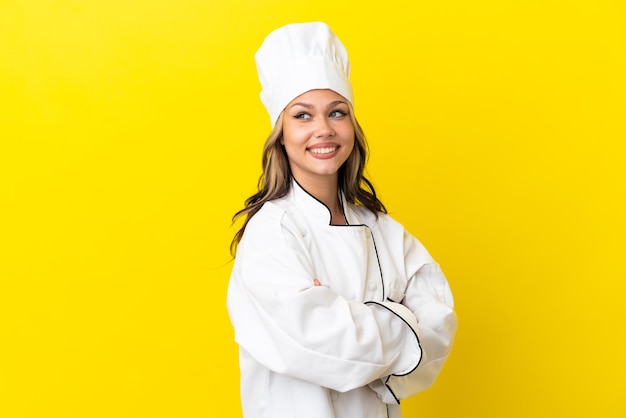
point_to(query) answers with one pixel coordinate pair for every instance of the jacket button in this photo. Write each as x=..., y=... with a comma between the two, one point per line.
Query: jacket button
x=372, y=286
x=334, y=395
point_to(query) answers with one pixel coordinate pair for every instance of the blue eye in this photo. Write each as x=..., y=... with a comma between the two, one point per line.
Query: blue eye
x=337, y=113
x=302, y=115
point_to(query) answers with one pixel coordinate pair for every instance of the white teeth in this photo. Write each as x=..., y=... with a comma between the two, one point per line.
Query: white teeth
x=327, y=150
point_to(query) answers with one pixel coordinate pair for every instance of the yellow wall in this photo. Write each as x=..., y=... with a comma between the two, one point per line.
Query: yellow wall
x=131, y=130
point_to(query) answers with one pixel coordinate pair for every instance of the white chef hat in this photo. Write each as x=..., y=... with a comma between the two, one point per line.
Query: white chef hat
x=297, y=58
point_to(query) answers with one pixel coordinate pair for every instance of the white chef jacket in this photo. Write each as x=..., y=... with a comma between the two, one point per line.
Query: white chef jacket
x=376, y=331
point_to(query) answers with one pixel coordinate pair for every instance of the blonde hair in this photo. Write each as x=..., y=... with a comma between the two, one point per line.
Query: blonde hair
x=276, y=178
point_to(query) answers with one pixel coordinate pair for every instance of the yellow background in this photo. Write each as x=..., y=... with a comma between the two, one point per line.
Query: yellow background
x=131, y=131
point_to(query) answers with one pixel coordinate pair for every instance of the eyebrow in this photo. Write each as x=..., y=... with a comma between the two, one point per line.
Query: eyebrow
x=309, y=106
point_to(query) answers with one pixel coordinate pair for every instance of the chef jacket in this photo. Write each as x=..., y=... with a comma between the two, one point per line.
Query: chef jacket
x=377, y=330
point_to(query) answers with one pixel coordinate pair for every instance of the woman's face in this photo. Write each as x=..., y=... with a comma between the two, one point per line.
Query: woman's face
x=318, y=135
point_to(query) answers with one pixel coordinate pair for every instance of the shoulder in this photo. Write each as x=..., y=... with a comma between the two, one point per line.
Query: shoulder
x=388, y=222
x=380, y=221
x=269, y=224
x=266, y=220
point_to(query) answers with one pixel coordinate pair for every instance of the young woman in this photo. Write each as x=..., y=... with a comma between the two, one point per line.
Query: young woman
x=338, y=311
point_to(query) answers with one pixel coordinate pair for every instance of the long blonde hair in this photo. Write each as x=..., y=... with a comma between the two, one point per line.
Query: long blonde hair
x=276, y=178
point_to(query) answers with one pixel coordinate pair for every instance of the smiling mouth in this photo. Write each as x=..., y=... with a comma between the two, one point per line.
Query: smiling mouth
x=322, y=151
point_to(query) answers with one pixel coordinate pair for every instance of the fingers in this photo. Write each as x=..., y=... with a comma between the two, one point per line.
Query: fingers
x=316, y=282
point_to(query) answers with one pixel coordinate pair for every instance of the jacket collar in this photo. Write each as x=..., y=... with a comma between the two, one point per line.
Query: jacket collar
x=312, y=207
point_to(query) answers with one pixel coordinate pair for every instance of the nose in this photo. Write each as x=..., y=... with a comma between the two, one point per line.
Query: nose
x=323, y=128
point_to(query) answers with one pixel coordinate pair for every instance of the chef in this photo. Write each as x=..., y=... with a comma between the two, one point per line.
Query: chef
x=338, y=311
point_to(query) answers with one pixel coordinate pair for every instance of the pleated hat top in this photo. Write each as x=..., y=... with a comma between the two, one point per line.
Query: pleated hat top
x=297, y=58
